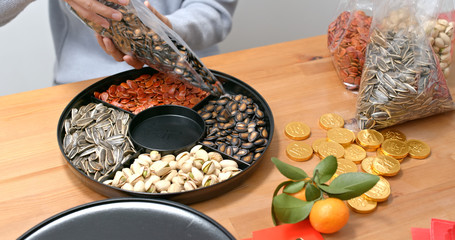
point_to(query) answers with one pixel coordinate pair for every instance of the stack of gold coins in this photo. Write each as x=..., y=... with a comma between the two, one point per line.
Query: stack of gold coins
x=391, y=147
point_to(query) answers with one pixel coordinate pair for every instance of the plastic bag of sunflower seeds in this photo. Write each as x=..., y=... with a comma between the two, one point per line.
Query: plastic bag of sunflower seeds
x=347, y=38
x=402, y=78
x=141, y=34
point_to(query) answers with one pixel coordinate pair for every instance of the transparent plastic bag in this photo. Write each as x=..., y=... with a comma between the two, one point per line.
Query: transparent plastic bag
x=141, y=34
x=347, y=38
x=402, y=79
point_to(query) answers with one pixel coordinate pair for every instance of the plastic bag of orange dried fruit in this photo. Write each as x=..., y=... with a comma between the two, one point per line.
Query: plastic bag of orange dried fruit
x=347, y=39
x=143, y=35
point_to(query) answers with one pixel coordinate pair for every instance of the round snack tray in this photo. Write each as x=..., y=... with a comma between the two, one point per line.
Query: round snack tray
x=231, y=85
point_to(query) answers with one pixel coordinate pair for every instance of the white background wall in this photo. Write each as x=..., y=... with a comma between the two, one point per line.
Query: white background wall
x=27, y=54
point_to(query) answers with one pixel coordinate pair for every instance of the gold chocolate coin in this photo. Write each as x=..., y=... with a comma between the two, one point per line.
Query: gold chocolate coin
x=362, y=205
x=331, y=120
x=393, y=134
x=380, y=153
x=355, y=153
x=369, y=139
x=316, y=144
x=386, y=165
x=418, y=149
x=345, y=166
x=297, y=130
x=380, y=192
x=330, y=148
x=299, y=151
x=342, y=136
x=367, y=165
x=395, y=148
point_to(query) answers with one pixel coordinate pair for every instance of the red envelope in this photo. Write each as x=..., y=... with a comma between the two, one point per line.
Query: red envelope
x=302, y=229
x=420, y=233
x=442, y=229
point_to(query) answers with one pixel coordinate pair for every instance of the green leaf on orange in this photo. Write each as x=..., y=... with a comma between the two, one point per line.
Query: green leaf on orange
x=289, y=209
x=294, y=187
x=289, y=171
x=312, y=192
x=352, y=184
x=325, y=169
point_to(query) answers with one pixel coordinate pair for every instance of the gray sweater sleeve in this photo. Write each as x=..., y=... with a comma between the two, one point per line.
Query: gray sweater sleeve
x=9, y=9
x=202, y=23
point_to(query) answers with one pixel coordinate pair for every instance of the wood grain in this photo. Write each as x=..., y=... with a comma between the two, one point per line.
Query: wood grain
x=299, y=83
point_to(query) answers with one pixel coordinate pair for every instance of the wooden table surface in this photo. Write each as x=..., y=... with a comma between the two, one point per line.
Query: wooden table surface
x=299, y=82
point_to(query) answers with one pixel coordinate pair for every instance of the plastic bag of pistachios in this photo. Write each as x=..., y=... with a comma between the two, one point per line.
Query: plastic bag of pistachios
x=141, y=34
x=402, y=78
x=347, y=37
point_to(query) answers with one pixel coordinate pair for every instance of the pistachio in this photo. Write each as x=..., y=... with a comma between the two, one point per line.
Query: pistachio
x=198, y=163
x=223, y=176
x=201, y=154
x=230, y=169
x=208, y=167
x=170, y=175
x=152, y=189
x=181, y=155
x=162, y=185
x=146, y=172
x=175, y=188
x=195, y=149
x=108, y=182
x=189, y=185
x=173, y=165
x=168, y=158
x=127, y=172
x=186, y=167
x=139, y=186
x=149, y=182
x=229, y=163
x=137, y=168
x=127, y=186
x=119, y=179
x=209, y=180
x=144, y=159
x=196, y=175
x=179, y=179
x=155, y=155
x=133, y=179
x=215, y=156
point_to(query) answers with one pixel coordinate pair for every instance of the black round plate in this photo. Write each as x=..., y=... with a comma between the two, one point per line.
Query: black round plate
x=129, y=218
x=230, y=84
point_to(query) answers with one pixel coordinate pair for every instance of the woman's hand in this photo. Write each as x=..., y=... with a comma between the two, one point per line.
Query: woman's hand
x=110, y=48
x=94, y=11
